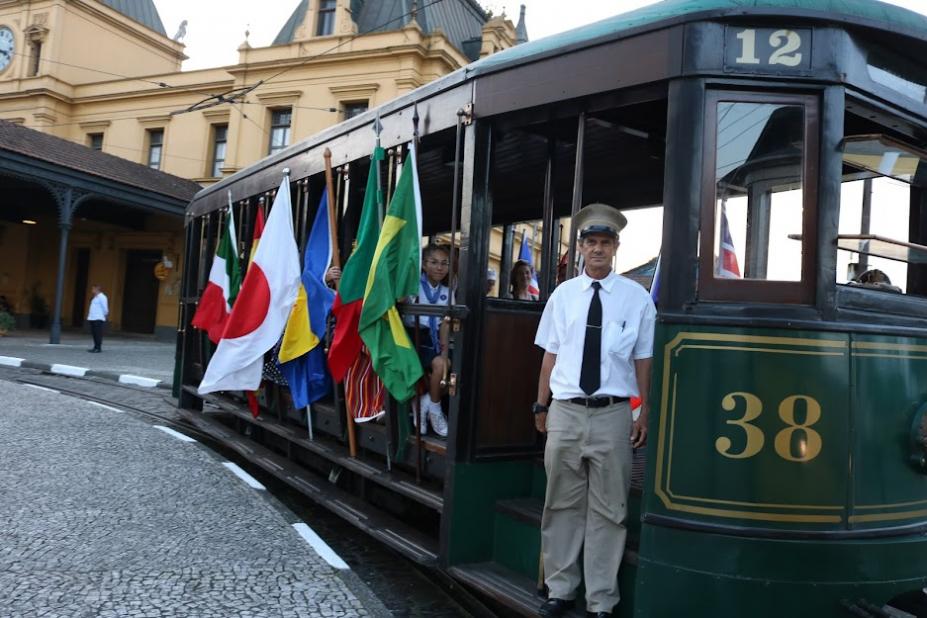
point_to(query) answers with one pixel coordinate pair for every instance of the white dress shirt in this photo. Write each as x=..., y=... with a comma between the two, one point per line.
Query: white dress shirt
x=628, y=318
x=99, y=307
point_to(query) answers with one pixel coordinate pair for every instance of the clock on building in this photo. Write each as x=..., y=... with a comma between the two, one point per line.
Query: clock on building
x=7, y=45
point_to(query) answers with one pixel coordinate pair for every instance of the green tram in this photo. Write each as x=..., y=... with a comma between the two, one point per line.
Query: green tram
x=774, y=150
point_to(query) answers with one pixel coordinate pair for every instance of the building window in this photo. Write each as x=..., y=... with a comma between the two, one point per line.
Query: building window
x=35, y=59
x=326, y=23
x=95, y=141
x=219, y=140
x=280, y=120
x=354, y=109
x=155, y=148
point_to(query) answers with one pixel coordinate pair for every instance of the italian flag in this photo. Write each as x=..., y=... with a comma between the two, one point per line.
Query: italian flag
x=395, y=273
x=264, y=303
x=346, y=342
x=224, y=282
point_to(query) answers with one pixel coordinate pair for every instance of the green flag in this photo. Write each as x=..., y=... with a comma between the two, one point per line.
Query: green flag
x=346, y=343
x=394, y=275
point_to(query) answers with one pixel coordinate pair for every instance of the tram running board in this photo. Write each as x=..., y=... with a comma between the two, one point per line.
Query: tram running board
x=505, y=586
x=387, y=529
x=334, y=452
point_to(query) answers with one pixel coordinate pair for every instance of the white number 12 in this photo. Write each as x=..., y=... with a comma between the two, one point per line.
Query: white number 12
x=785, y=43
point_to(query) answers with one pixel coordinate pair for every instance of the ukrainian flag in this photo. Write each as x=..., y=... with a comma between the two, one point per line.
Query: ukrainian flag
x=301, y=357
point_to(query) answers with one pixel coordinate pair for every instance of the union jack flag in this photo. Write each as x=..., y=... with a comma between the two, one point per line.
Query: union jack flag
x=727, y=264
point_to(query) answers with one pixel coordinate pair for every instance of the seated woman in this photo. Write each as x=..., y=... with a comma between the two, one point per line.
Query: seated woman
x=520, y=279
x=432, y=335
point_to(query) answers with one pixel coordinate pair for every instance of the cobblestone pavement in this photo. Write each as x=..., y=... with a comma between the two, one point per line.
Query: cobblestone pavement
x=138, y=356
x=103, y=515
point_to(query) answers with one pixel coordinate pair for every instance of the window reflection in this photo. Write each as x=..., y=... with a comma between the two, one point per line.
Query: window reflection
x=758, y=178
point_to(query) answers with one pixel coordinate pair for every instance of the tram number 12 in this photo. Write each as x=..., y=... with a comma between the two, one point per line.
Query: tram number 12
x=809, y=441
x=767, y=47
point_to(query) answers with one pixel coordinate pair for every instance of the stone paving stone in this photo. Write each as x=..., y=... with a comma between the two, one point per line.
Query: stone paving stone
x=102, y=515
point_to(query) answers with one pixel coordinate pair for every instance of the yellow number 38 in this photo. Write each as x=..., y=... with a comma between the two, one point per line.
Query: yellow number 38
x=809, y=443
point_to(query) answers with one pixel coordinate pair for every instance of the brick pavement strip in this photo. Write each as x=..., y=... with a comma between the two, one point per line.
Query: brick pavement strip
x=102, y=515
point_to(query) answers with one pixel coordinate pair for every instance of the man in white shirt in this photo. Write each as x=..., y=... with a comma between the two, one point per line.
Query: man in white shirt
x=96, y=316
x=597, y=336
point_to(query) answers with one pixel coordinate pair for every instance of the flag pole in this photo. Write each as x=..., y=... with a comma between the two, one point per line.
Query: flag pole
x=336, y=262
x=332, y=220
x=381, y=213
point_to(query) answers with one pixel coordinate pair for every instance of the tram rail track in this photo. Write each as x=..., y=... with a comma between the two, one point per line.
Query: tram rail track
x=176, y=422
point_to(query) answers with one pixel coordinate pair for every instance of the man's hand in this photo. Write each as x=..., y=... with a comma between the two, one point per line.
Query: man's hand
x=540, y=422
x=639, y=431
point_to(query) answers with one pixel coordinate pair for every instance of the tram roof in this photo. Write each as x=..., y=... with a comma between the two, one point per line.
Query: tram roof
x=866, y=13
x=870, y=14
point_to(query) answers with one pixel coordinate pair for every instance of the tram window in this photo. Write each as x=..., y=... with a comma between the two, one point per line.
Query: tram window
x=760, y=211
x=880, y=243
x=759, y=179
x=887, y=208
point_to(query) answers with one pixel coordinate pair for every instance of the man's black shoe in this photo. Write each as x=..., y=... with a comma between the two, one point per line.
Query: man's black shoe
x=94, y=350
x=554, y=608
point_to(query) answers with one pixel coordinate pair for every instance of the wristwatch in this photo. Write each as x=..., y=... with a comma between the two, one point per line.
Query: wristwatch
x=538, y=408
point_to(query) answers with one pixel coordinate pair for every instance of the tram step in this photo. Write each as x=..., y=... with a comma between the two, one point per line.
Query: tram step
x=527, y=510
x=337, y=453
x=505, y=586
x=383, y=527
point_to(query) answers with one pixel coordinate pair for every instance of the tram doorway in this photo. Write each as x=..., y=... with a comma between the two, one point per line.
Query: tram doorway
x=140, y=292
x=81, y=283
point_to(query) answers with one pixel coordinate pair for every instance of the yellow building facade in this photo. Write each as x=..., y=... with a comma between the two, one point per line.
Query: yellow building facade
x=104, y=74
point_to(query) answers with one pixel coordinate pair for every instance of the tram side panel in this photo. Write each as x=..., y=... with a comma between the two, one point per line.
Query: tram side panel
x=756, y=447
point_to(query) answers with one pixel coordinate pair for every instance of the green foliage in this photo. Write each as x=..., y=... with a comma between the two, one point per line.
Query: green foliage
x=7, y=321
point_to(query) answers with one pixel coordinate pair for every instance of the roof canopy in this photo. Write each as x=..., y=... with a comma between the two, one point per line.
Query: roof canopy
x=36, y=155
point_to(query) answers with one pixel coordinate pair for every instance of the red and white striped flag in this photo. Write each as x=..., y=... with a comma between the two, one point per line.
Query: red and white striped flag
x=727, y=264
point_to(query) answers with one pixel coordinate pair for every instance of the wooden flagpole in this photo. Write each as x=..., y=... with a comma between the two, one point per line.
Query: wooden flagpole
x=336, y=262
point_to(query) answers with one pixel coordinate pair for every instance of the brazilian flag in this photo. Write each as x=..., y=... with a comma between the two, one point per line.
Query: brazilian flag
x=394, y=275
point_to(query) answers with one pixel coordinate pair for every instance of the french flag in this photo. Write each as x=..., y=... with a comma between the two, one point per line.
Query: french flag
x=525, y=255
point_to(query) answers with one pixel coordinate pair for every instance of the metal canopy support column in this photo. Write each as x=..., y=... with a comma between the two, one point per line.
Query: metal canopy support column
x=66, y=198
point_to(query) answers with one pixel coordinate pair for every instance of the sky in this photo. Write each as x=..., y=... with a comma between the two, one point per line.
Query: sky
x=216, y=28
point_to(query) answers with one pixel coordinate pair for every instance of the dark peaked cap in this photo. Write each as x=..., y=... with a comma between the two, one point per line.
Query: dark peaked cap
x=599, y=219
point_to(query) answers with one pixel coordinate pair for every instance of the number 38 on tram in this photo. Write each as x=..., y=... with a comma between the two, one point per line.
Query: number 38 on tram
x=771, y=153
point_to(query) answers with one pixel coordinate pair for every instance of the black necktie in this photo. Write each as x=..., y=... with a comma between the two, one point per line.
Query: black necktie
x=590, y=374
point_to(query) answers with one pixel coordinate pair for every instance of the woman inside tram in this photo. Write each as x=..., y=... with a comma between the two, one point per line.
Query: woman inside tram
x=520, y=279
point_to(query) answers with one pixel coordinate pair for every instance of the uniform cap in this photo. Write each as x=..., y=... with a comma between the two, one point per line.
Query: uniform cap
x=599, y=219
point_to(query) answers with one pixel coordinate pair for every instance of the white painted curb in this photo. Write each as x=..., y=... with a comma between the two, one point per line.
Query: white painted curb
x=321, y=547
x=128, y=378
x=252, y=482
x=11, y=361
x=69, y=370
x=173, y=433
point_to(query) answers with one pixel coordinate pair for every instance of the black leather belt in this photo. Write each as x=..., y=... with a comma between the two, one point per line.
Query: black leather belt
x=597, y=402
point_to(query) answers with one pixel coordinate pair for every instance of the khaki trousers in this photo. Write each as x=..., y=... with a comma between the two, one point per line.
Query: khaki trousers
x=588, y=463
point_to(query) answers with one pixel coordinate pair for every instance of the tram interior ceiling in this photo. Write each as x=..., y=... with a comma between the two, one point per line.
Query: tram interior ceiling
x=622, y=161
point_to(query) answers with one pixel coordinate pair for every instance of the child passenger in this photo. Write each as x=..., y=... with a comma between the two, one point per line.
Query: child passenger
x=432, y=335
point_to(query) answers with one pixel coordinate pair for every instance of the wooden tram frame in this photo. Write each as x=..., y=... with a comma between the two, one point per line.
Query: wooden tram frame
x=554, y=86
